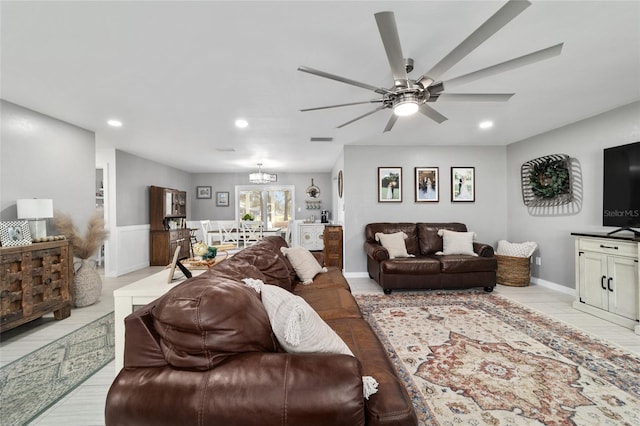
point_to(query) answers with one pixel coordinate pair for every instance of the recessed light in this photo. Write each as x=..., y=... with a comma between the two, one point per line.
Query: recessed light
x=486, y=124
x=114, y=123
x=241, y=123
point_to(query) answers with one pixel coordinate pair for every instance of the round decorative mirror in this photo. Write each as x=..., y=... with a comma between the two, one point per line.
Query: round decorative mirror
x=313, y=191
x=340, y=184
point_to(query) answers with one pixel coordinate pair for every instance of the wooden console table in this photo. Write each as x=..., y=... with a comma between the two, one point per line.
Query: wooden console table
x=34, y=280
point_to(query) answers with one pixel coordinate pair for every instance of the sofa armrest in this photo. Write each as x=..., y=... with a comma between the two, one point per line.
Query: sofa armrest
x=376, y=251
x=484, y=250
x=248, y=389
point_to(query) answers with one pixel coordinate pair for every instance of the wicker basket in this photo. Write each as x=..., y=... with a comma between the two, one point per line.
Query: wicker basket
x=513, y=271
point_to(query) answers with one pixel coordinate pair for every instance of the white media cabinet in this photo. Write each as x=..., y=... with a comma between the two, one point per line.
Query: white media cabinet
x=607, y=278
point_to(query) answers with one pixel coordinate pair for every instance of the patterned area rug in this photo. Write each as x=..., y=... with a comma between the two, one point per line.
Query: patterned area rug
x=473, y=358
x=33, y=383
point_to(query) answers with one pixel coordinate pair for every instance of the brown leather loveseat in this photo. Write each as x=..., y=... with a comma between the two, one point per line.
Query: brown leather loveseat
x=205, y=354
x=425, y=269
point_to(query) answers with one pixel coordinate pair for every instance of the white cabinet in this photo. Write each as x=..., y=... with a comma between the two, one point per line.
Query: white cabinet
x=308, y=235
x=607, y=279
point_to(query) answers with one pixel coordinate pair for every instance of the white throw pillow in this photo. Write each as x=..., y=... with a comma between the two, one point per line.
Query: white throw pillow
x=299, y=329
x=457, y=242
x=526, y=249
x=394, y=243
x=304, y=263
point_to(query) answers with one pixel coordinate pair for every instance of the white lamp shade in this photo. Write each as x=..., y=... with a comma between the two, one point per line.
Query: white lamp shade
x=35, y=208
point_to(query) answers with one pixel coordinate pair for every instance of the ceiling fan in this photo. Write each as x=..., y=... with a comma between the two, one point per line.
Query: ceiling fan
x=408, y=96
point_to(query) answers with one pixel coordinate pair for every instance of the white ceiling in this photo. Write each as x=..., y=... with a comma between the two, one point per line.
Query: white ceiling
x=179, y=73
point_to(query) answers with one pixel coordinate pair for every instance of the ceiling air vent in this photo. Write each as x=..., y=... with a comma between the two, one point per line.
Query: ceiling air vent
x=321, y=139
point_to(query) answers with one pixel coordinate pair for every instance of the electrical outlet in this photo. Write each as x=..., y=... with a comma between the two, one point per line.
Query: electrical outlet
x=538, y=261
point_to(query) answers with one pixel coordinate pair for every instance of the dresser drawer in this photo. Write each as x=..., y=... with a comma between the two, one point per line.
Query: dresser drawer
x=620, y=248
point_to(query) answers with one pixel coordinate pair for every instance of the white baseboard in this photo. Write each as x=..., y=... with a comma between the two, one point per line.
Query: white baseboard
x=356, y=274
x=554, y=286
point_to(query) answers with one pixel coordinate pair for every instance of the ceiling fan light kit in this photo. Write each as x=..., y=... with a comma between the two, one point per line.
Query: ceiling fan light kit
x=408, y=96
x=406, y=105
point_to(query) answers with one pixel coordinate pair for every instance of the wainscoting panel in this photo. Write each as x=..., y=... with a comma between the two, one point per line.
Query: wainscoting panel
x=132, y=249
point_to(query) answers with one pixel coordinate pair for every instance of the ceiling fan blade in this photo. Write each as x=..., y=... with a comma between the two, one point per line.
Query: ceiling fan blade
x=319, y=73
x=390, y=123
x=491, y=26
x=476, y=97
x=509, y=65
x=362, y=116
x=342, y=105
x=432, y=113
x=389, y=34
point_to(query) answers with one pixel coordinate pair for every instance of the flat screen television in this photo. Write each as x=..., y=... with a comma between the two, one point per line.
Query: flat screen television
x=621, y=190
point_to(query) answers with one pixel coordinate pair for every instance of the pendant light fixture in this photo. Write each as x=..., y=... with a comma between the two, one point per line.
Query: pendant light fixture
x=261, y=177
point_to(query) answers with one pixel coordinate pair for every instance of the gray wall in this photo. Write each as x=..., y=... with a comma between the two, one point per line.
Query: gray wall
x=487, y=216
x=134, y=175
x=202, y=209
x=42, y=157
x=585, y=142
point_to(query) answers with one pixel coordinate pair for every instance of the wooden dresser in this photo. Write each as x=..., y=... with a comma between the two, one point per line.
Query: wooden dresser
x=35, y=280
x=333, y=245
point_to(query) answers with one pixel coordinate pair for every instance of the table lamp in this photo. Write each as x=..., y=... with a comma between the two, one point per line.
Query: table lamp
x=36, y=211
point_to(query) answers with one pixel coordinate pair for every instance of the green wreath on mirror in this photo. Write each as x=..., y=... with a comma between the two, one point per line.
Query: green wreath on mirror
x=549, y=178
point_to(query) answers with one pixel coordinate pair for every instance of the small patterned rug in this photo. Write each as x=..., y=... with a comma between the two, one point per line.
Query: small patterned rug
x=473, y=358
x=33, y=383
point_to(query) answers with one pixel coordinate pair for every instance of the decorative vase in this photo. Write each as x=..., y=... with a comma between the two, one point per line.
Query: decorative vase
x=87, y=285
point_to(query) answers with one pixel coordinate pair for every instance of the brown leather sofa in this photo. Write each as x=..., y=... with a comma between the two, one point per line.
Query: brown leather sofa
x=205, y=354
x=427, y=270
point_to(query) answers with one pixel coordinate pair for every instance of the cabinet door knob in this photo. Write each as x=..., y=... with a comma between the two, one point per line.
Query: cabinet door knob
x=609, y=284
x=602, y=282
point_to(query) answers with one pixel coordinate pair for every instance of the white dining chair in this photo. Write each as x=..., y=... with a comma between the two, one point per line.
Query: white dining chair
x=252, y=232
x=228, y=231
x=206, y=229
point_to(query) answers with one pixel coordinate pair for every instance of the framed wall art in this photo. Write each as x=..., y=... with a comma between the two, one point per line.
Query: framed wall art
x=203, y=192
x=15, y=233
x=463, y=184
x=389, y=184
x=222, y=199
x=426, y=184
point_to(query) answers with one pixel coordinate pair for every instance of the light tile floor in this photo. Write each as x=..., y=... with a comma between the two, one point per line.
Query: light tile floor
x=85, y=405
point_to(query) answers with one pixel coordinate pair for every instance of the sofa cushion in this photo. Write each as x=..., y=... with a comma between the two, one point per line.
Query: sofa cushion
x=457, y=242
x=237, y=270
x=390, y=406
x=276, y=242
x=305, y=264
x=453, y=264
x=333, y=278
x=208, y=318
x=428, y=239
x=268, y=262
x=330, y=303
x=394, y=243
x=410, y=266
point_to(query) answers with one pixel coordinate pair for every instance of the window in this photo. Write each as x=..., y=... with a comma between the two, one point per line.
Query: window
x=273, y=205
